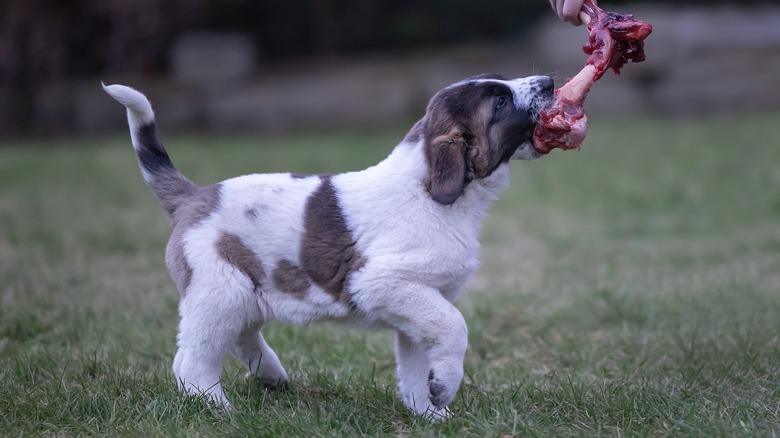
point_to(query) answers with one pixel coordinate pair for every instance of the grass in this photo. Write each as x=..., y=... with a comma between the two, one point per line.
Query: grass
x=632, y=288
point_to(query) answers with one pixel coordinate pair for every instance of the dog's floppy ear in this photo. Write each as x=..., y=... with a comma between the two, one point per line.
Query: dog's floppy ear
x=447, y=167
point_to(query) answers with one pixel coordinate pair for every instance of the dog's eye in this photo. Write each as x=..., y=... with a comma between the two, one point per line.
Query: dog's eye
x=501, y=101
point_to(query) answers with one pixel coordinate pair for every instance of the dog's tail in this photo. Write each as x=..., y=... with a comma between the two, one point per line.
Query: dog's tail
x=170, y=186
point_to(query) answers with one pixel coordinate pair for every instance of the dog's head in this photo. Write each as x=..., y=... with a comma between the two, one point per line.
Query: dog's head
x=474, y=126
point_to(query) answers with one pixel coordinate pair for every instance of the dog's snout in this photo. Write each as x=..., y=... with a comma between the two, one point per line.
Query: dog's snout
x=546, y=84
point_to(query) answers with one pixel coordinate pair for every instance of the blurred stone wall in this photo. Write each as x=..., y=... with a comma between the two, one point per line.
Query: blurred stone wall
x=699, y=62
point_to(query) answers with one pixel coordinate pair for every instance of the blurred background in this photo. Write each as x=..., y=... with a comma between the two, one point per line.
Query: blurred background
x=278, y=66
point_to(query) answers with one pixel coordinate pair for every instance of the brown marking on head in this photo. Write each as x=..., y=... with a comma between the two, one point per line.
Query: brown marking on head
x=328, y=253
x=233, y=250
x=446, y=155
x=470, y=129
x=288, y=277
x=192, y=208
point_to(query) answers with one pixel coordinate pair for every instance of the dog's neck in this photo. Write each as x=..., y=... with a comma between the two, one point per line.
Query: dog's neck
x=405, y=167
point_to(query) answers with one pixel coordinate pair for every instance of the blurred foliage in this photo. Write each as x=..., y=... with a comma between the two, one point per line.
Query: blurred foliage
x=47, y=39
x=43, y=41
x=323, y=26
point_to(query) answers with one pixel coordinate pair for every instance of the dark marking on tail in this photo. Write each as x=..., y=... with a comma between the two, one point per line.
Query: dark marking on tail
x=152, y=155
x=170, y=186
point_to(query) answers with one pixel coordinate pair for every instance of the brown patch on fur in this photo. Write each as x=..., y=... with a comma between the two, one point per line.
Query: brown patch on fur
x=197, y=206
x=288, y=277
x=234, y=251
x=446, y=155
x=192, y=208
x=328, y=253
x=461, y=143
x=481, y=155
x=497, y=140
x=176, y=261
x=447, y=136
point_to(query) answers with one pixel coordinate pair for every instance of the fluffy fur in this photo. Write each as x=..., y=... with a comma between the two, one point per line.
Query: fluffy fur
x=387, y=247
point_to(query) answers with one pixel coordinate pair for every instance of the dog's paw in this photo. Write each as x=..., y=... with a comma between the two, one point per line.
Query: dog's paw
x=277, y=381
x=280, y=384
x=437, y=414
x=442, y=389
x=425, y=409
x=269, y=373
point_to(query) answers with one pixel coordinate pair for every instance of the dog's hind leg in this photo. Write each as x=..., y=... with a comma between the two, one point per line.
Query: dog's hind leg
x=201, y=352
x=213, y=317
x=261, y=361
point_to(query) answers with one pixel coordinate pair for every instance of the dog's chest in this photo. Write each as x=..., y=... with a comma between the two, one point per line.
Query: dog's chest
x=409, y=242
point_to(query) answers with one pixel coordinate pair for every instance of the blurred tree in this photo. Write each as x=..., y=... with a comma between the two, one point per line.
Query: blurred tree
x=45, y=41
x=301, y=27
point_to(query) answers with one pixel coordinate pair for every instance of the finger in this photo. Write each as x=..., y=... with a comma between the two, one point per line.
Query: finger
x=584, y=17
x=557, y=7
x=571, y=11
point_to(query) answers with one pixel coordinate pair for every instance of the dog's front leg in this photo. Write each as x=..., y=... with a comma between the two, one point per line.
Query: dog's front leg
x=414, y=370
x=431, y=341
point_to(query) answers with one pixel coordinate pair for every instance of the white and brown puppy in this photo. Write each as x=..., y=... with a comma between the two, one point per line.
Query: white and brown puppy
x=389, y=247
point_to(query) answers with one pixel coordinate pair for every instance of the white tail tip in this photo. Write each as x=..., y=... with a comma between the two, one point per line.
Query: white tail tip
x=138, y=106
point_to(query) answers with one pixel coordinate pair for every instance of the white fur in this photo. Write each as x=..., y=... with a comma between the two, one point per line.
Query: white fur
x=418, y=253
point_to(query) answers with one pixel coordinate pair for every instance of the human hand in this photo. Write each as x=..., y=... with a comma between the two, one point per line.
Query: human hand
x=568, y=10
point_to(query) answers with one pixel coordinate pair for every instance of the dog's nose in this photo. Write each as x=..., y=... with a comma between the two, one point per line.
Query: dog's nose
x=546, y=84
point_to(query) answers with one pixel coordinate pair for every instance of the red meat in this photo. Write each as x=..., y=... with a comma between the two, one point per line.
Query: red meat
x=614, y=40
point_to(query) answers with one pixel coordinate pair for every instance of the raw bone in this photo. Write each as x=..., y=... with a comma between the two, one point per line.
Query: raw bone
x=614, y=40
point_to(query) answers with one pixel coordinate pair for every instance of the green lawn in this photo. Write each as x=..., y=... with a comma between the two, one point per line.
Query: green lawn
x=631, y=288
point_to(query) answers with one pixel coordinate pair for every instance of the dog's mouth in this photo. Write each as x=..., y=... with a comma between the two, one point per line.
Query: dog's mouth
x=528, y=135
x=542, y=101
x=539, y=103
x=526, y=150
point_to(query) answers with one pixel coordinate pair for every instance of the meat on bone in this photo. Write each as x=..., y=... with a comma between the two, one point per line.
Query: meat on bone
x=614, y=40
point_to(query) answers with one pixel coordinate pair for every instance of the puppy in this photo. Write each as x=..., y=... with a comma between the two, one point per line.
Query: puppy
x=386, y=247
